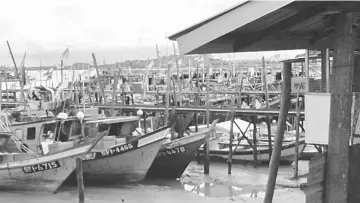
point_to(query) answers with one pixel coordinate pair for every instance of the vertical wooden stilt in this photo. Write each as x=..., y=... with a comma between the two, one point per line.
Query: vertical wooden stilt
x=297, y=120
x=323, y=70
x=281, y=125
x=80, y=182
x=167, y=95
x=267, y=104
x=1, y=96
x=6, y=86
x=62, y=71
x=207, y=144
x=255, y=142
x=231, y=138
x=144, y=115
x=336, y=182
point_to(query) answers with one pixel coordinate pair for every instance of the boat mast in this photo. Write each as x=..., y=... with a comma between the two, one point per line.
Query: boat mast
x=98, y=77
x=17, y=73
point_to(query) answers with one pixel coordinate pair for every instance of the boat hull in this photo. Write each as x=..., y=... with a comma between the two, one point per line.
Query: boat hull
x=53, y=171
x=286, y=158
x=124, y=163
x=171, y=162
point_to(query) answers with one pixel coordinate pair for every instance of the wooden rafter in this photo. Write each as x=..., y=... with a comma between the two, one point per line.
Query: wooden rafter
x=250, y=38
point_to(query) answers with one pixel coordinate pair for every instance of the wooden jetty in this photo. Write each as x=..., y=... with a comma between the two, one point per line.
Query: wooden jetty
x=295, y=29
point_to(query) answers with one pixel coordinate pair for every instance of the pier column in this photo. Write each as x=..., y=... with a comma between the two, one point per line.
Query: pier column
x=280, y=128
x=337, y=167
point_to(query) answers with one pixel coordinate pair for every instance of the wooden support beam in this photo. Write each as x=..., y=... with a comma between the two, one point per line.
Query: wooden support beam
x=297, y=120
x=255, y=151
x=265, y=88
x=273, y=93
x=336, y=183
x=207, y=144
x=327, y=64
x=100, y=82
x=231, y=138
x=248, y=39
x=281, y=125
x=80, y=180
x=323, y=70
x=244, y=112
x=166, y=115
x=62, y=70
x=307, y=88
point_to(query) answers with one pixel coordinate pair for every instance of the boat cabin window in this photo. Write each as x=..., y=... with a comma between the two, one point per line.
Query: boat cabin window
x=31, y=133
x=49, y=130
x=19, y=134
x=149, y=124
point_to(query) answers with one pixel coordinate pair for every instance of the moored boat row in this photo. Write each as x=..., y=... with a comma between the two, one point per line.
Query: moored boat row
x=40, y=155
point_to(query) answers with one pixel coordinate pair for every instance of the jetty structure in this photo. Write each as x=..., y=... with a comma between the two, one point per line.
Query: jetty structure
x=328, y=26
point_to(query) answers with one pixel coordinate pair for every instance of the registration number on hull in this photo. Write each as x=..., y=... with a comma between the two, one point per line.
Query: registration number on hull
x=176, y=150
x=41, y=167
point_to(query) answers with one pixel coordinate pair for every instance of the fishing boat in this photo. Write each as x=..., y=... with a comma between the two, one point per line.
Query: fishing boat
x=174, y=156
x=126, y=159
x=246, y=154
x=243, y=144
x=28, y=171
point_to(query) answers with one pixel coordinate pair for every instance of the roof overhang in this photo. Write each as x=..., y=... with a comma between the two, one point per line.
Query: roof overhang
x=265, y=26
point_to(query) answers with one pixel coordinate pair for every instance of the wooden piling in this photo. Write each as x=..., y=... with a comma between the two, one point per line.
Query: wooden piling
x=297, y=120
x=336, y=182
x=281, y=125
x=1, y=96
x=6, y=86
x=231, y=138
x=80, y=181
x=178, y=74
x=207, y=144
x=114, y=94
x=166, y=114
x=265, y=89
x=62, y=70
x=255, y=142
x=100, y=82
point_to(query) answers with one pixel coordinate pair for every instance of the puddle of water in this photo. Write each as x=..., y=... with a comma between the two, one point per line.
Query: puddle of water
x=220, y=190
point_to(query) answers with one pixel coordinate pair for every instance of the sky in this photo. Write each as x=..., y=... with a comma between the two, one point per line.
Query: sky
x=114, y=30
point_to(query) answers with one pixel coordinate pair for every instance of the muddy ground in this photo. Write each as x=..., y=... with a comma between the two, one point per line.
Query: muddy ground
x=246, y=184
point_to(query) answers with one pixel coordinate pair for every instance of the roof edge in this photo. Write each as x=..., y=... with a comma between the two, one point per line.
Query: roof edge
x=199, y=24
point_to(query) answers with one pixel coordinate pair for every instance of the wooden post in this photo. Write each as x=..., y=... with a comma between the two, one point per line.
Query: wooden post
x=281, y=125
x=297, y=120
x=62, y=68
x=79, y=178
x=267, y=104
x=327, y=64
x=101, y=86
x=114, y=94
x=197, y=96
x=144, y=114
x=6, y=86
x=178, y=75
x=1, y=96
x=336, y=182
x=231, y=137
x=167, y=95
x=307, y=88
x=255, y=142
x=207, y=144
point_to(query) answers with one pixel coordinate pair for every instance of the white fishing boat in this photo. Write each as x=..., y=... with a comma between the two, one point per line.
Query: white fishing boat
x=28, y=171
x=121, y=159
